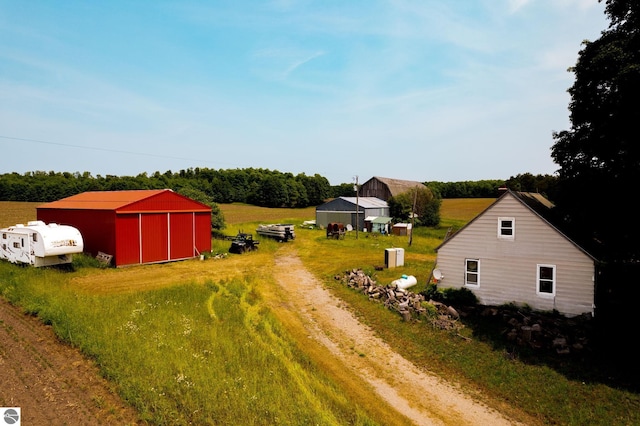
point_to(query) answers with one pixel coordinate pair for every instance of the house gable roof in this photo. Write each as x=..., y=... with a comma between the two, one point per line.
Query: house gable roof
x=537, y=204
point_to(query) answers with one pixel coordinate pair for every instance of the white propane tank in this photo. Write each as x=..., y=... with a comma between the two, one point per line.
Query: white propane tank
x=405, y=281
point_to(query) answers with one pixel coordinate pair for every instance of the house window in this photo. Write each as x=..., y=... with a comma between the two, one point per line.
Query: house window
x=546, y=280
x=506, y=228
x=472, y=272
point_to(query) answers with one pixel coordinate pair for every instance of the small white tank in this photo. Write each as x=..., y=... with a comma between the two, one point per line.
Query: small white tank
x=405, y=281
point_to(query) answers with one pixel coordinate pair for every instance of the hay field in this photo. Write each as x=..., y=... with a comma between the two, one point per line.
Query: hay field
x=237, y=213
x=463, y=209
x=13, y=212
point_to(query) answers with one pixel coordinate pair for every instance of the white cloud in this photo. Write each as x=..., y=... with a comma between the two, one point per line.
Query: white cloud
x=516, y=5
x=301, y=62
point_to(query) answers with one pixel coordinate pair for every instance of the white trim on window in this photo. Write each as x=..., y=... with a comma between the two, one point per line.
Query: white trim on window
x=507, y=228
x=472, y=272
x=546, y=280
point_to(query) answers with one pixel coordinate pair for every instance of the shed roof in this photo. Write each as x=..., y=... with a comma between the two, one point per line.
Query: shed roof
x=378, y=219
x=110, y=200
x=402, y=225
x=367, y=202
x=399, y=186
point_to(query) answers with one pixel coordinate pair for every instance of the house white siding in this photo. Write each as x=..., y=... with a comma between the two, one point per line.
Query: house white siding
x=508, y=267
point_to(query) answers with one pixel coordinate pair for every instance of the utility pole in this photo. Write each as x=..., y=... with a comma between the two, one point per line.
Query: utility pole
x=413, y=214
x=355, y=188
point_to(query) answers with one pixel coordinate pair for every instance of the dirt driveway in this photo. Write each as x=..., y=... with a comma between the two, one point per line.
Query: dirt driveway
x=422, y=397
x=54, y=384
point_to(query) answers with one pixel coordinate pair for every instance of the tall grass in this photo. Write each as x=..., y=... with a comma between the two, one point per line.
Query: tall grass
x=208, y=353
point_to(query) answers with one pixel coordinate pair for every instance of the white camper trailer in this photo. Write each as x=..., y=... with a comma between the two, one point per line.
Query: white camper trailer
x=39, y=244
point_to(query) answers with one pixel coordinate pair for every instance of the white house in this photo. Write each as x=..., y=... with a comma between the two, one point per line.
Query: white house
x=510, y=253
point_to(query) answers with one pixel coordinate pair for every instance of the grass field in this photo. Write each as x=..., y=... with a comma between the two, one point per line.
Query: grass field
x=12, y=212
x=190, y=342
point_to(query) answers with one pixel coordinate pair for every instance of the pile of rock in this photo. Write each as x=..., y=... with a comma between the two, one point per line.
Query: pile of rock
x=409, y=305
x=521, y=327
x=544, y=331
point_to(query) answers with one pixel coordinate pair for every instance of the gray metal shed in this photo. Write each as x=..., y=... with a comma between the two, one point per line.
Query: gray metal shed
x=344, y=209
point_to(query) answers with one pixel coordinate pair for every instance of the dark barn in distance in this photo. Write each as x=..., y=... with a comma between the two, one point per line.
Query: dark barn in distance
x=137, y=226
x=385, y=188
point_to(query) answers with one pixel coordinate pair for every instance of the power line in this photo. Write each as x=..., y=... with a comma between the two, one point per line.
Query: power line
x=95, y=148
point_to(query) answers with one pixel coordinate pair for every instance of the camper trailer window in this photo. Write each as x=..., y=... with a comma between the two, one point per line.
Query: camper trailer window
x=4, y=247
x=35, y=238
x=4, y=236
x=16, y=244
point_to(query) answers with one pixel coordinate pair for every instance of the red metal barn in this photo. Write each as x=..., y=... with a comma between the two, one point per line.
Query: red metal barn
x=141, y=226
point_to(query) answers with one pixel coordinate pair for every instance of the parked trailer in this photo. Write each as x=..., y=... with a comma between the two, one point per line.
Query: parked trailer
x=279, y=231
x=336, y=230
x=40, y=244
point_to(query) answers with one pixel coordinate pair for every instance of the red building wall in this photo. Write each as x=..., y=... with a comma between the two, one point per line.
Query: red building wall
x=203, y=231
x=127, y=251
x=158, y=228
x=181, y=226
x=95, y=226
x=154, y=237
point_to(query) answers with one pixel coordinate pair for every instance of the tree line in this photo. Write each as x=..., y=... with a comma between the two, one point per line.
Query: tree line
x=261, y=187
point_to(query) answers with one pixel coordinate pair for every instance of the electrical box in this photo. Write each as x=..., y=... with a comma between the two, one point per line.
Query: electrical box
x=399, y=257
x=390, y=258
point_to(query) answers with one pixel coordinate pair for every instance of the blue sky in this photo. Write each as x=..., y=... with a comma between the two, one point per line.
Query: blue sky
x=408, y=89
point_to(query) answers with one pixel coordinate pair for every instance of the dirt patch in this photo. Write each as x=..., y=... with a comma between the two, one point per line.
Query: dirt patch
x=422, y=397
x=52, y=383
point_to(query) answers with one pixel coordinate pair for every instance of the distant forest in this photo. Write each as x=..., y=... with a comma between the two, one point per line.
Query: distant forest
x=261, y=187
